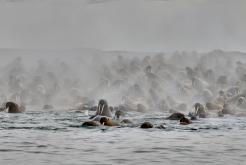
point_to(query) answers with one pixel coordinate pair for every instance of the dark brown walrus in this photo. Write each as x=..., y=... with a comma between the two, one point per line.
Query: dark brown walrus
x=108, y=122
x=185, y=121
x=90, y=123
x=176, y=116
x=146, y=125
x=14, y=108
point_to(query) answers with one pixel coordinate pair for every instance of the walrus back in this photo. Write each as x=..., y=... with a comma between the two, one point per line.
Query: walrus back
x=14, y=108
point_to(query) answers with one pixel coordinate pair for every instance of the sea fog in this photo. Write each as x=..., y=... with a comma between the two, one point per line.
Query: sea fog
x=158, y=81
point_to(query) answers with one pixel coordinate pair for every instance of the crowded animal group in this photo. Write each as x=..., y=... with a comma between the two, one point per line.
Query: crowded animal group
x=186, y=86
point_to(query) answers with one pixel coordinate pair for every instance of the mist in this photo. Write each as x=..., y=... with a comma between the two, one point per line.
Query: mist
x=133, y=25
x=76, y=51
x=145, y=82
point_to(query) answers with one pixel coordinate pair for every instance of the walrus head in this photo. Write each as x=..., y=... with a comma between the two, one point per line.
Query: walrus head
x=241, y=100
x=184, y=121
x=199, y=110
x=102, y=106
x=146, y=125
x=197, y=106
x=104, y=120
x=119, y=113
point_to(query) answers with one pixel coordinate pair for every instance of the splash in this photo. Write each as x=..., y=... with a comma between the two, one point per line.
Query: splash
x=140, y=81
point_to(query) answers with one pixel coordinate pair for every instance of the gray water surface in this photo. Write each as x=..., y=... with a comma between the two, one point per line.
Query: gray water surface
x=56, y=138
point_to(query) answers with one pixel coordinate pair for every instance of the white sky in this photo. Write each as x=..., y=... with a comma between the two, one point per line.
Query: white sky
x=139, y=25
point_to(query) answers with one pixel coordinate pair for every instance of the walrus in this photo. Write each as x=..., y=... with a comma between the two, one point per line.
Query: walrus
x=200, y=110
x=90, y=124
x=241, y=102
x=102, y=109
x=192, y=116
x=48, y=106
x=118, y=114
x=213, y=106
x=108, y=122
x=176, y=116
x=146, y=125
x=184, y=121
x=220, y=113
x=14, y=108
x=126, y=121
x=227, y=109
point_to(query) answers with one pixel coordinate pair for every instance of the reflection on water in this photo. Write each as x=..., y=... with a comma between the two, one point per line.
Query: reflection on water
x=57, y=138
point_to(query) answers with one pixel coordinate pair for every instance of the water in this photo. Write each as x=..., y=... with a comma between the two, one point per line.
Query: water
x=55, y=137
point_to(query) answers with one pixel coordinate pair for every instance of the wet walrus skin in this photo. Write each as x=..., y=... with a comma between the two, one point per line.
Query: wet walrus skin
x=176, y=116
x=102, y=109
x=14, y=108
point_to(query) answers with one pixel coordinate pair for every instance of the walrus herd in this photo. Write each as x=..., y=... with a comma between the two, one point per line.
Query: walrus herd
x=104, y=113
x=183, y=86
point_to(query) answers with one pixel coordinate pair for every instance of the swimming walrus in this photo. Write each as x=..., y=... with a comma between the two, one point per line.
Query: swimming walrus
x=48, y=106
x=13, y=107
x=119, y=113
x=176, y=116
x=213, y=106
x=185, y=121
x=146, y=125
x=90, y=124
x=103, y=109
x=108, y=122
x=200, y=110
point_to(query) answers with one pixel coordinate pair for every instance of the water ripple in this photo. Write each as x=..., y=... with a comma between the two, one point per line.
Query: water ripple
x=58, y=138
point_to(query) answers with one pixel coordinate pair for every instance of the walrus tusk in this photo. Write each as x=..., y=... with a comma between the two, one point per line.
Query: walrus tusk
x=99, y=110
x=102, y=107
x=196, y=111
